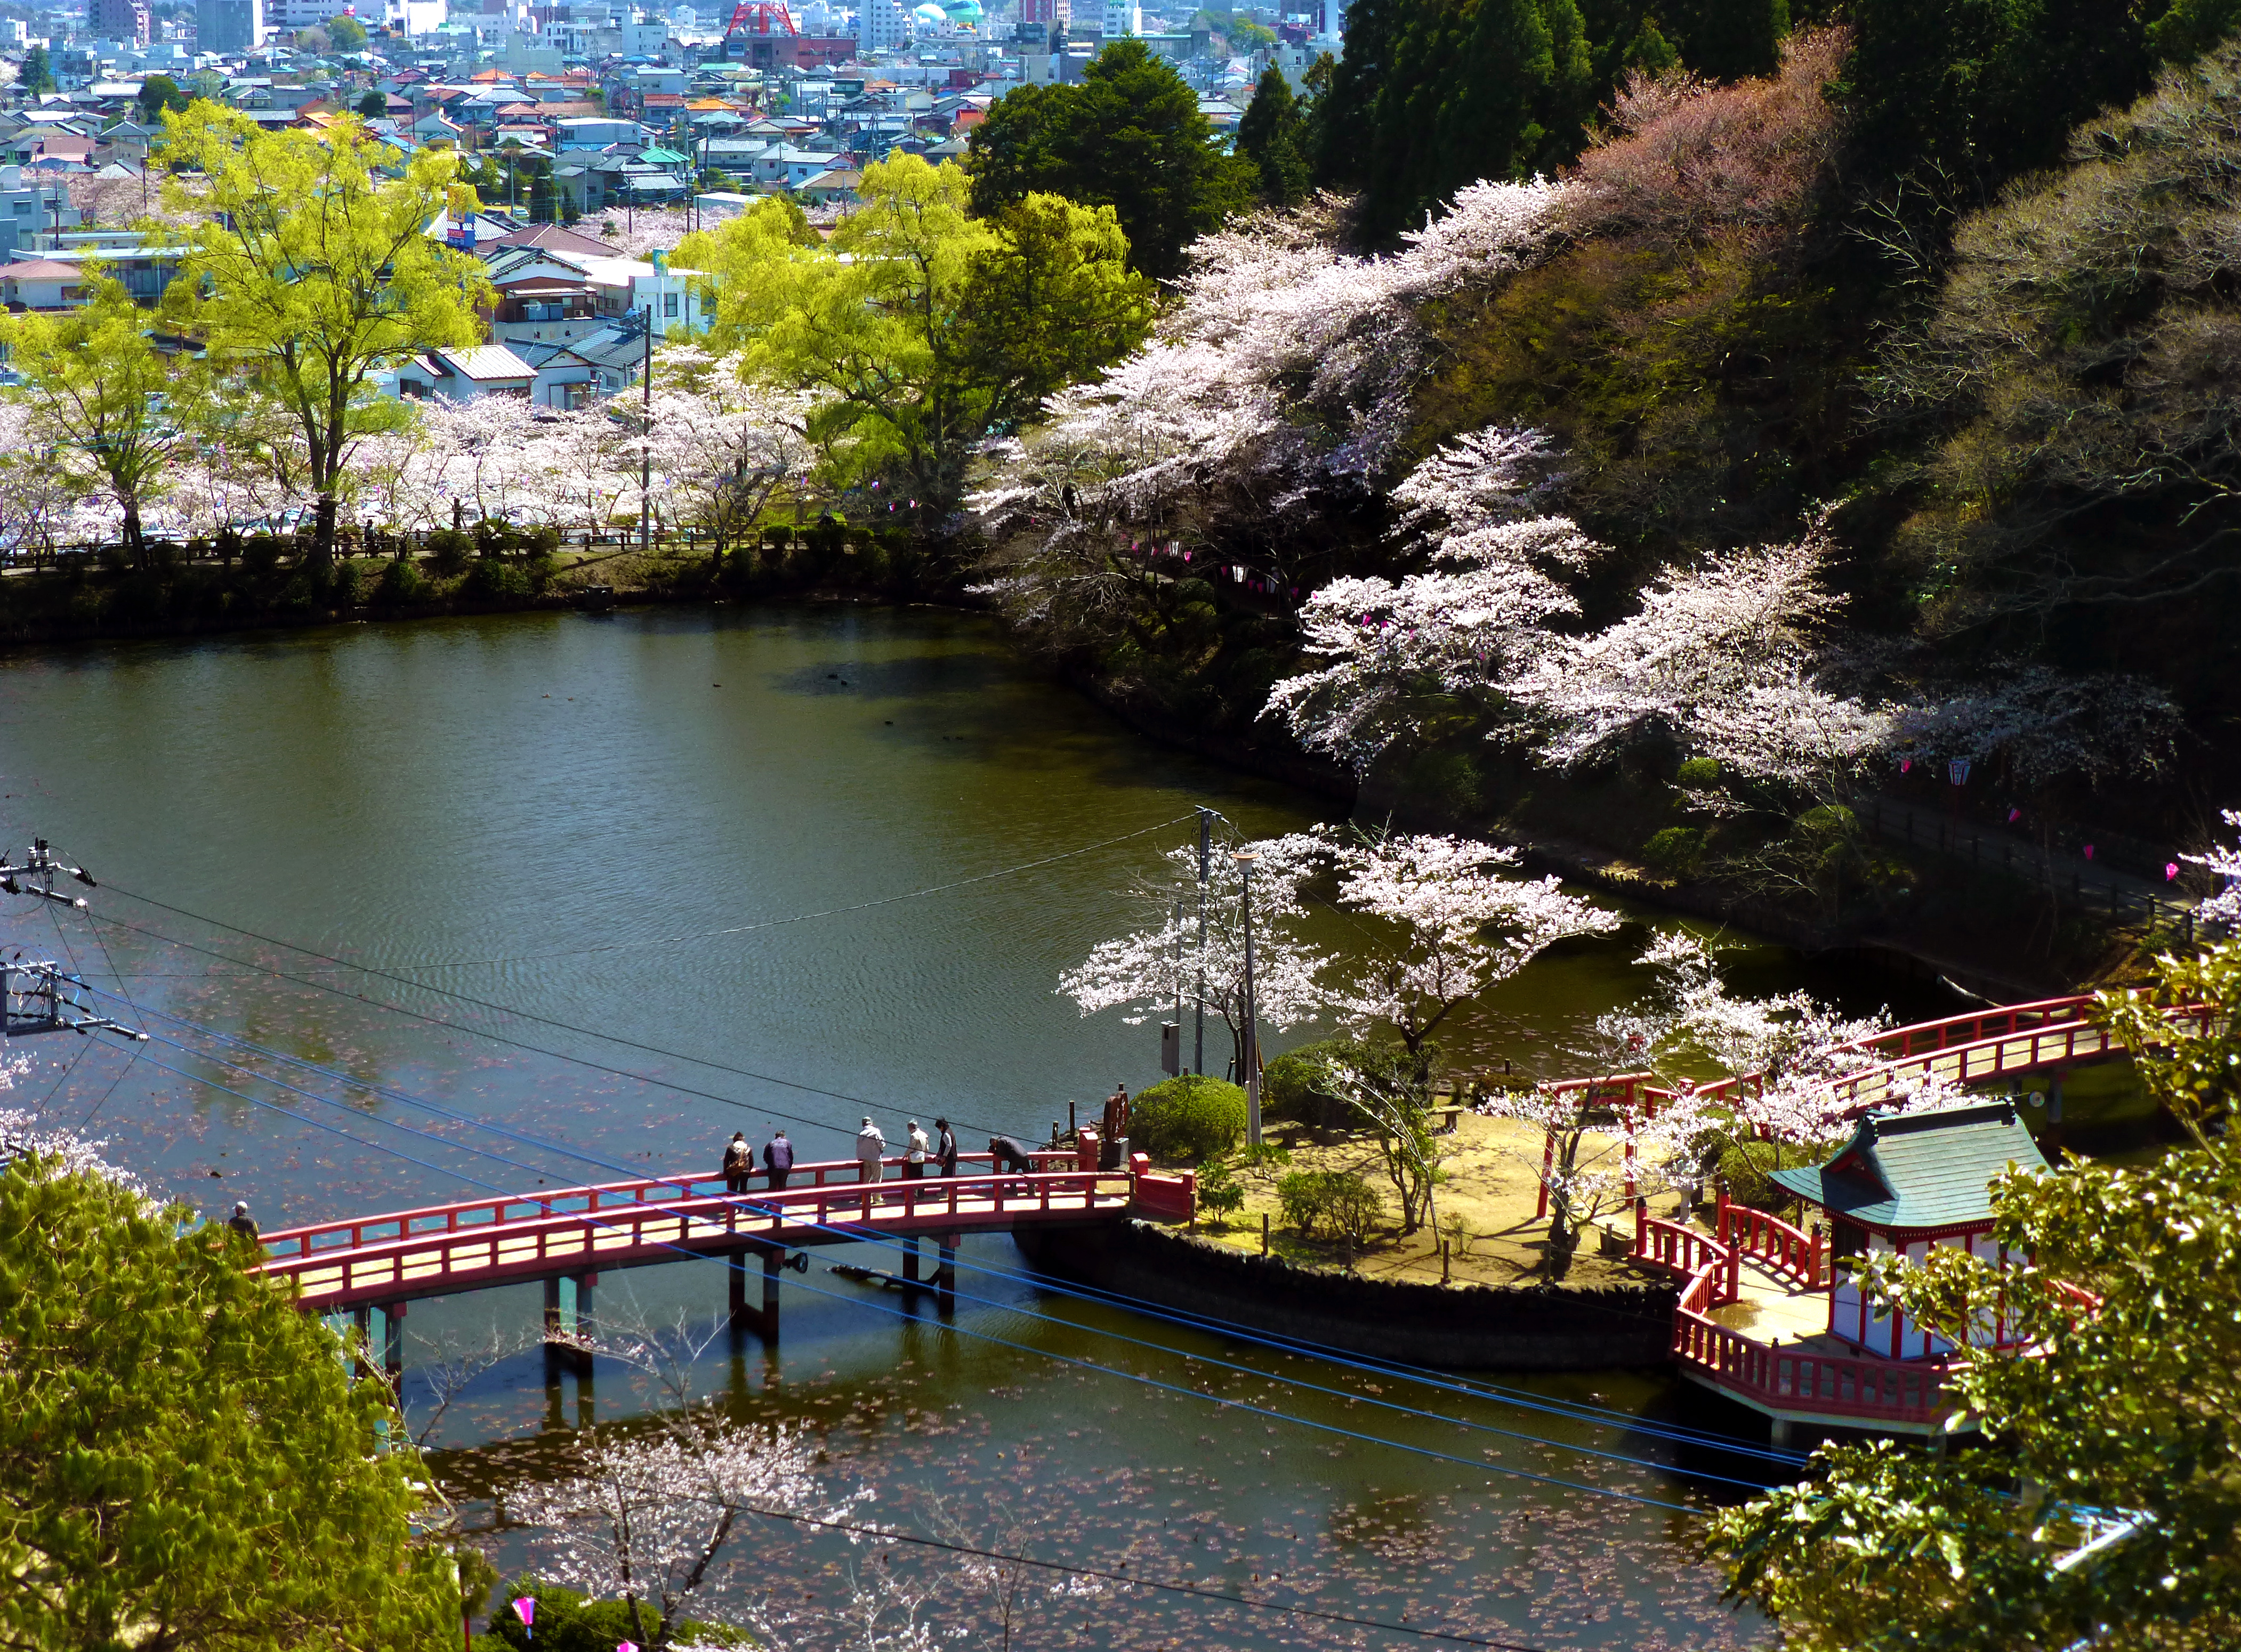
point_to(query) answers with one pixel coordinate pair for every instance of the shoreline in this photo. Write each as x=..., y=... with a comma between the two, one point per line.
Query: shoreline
x=1609, y=871
x=1536, y=1328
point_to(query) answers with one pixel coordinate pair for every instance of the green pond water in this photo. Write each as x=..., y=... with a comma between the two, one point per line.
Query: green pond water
x=538, y=828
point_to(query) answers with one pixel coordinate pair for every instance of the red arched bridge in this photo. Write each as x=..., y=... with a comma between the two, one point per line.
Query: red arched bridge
x=561, y=1235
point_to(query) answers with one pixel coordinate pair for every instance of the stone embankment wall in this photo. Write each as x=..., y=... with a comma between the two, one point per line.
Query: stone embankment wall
x=1495, y=1328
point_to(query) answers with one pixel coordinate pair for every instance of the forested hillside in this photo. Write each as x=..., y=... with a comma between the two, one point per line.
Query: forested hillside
x=1676, y=427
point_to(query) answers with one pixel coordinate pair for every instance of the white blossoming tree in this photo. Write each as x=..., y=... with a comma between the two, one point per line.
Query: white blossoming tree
x=1156, y=968
x=1449, y=925
x=645, y=1520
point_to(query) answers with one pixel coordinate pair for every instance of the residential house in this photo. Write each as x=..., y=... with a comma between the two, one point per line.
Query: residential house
x=836, y=186
x=564, y=378
x=461, y=375
x=42, y=283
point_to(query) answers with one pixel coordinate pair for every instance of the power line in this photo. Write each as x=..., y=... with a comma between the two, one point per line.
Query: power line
x=684, y=1253
x=802, y=918
x=1571, y=1411
x=846, y=1233
x=1191, y=1591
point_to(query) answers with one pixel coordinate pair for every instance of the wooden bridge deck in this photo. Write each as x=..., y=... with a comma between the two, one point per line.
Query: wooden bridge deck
x=441, y=1250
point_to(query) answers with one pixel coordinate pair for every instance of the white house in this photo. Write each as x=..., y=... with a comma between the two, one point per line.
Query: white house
x=463, y=375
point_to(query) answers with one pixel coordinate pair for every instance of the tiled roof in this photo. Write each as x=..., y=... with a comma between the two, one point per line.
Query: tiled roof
x=1920, y=1172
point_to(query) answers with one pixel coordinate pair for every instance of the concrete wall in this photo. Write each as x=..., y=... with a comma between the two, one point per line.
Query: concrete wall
x=1493, y=1328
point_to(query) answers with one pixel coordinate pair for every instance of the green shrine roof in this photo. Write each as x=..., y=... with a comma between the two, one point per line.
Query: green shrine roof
x=1916, y=1172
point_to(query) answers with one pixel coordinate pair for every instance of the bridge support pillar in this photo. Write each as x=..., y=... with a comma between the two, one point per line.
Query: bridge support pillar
x=2054, y=1101
x=911, y=1259
x=945, y=1274
x=763, y=1321
x=568, y=1321
x=392, y=1340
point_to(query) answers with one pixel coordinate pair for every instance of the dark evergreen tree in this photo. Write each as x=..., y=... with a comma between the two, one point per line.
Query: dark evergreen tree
x=1130, y=137
x=1273, y=136
x=37, y=75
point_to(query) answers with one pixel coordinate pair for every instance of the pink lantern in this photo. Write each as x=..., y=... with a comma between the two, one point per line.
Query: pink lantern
x=1905, y=763
x=525, y=1609
x=627, y=1646
x=2171, y=870
x=2014, y=815
x=2089, y=851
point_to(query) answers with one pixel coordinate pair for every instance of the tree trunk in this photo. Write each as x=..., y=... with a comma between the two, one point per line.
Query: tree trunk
x=136, y=545
x=322, y=558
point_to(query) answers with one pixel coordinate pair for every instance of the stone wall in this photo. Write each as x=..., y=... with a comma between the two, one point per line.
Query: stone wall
x=1496, y=1328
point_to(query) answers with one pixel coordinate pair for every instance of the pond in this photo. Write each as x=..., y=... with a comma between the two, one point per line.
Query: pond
x=620, y=886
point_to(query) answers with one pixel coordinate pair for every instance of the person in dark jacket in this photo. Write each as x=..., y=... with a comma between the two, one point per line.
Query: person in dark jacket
x=944, y=1147
x=778, y=1159
x=241, y=1222
x=738, y=1162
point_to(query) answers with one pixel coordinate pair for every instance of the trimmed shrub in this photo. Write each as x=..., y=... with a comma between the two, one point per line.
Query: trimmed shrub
x=1219, y=1191
x=1675, y=850
x=402, y=585
x=1291, y=1085
x=448, y=549
x=1188, y=1120
x=347, y=590
x=1334, y=1204
x=497, y=581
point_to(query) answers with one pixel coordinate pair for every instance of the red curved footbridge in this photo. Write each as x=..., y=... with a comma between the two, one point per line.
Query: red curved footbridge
x=566, y=1237
x=1756, y=1317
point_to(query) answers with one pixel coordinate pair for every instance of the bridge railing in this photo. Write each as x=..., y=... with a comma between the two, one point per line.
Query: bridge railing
x=432, y=1262
x=606, y=1198
x=1790, y=1256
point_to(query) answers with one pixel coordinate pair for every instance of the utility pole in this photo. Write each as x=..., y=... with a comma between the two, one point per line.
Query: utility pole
x=1245, y=859
x=36, y=998
x=646, y=444
x=1205, y=840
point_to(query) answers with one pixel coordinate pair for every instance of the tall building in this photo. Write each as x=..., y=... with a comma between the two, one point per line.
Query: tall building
x=885, y=26
x=1046, y=11
x=125, y=21
x=1122, y=19
x=229, y=26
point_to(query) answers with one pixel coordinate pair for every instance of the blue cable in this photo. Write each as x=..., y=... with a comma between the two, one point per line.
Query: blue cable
x=1334, y=1357
x=1005, y=1342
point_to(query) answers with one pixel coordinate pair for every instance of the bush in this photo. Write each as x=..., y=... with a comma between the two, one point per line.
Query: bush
x=1188, y=1120
x=565, y=1621
x=1335, y=1204
x=1698, y=774
x=1746, y=1174
x=402, y=585
x=448, y=549
x=1675, y=850
x=1292, y=1086
x=261, y=555
x=1219, y=1189
x=497, y=581
x=346, y=591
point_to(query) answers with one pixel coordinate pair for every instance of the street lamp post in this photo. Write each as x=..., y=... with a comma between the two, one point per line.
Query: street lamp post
x=1205, y=843
x=1245, y=859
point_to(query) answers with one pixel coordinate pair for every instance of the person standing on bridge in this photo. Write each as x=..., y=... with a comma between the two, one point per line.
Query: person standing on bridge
x=1009, y=1154
x=945, y=1148
x=914, y=1157
x=778, y=1159
x=241, y=1222
x=871, y=1151
x=738, y=1162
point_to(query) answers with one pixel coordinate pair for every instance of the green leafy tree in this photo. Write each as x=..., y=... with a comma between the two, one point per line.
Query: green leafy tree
x=184, y=1460
x=1130, y=137
x=346, y=34
x=157, y=93
x=308, y=270
x=115, y=407
x=37, y=74
x=1274, y=136
x=2127, y=1407
x=921, y=329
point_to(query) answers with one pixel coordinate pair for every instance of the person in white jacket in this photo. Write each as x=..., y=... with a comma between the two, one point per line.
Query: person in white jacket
x=871, y=1147
x=914, y=1154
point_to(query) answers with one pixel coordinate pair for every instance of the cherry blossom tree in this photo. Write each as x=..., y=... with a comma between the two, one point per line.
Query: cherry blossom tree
x=1449, y=924
x=1463, y=630
x=2035, y=725
x=1591, y=1162
x=1160, y=966
x=646, y=1519
x=725, y=447
x=2224, y=907
x=43, y=1151
x=1275, y=390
